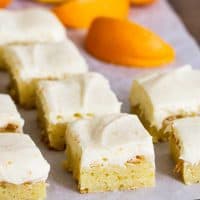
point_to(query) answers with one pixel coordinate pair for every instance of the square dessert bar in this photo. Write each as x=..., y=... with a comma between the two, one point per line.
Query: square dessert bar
x=27, y=26
x=161, y=97
x=185, y=148
x=28, y=64
x=10, y=119
x=59, y=102
x=30, y=26
x=23, y=170
x=111, y=152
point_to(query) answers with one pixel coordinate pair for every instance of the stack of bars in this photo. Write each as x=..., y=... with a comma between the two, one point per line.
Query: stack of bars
x=33, y=44
x=48, y=72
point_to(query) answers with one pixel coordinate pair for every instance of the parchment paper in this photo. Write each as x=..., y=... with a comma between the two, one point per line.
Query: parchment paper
x=160, y=18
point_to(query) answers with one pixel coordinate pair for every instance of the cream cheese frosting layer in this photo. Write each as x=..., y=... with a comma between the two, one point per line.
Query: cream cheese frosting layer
x=9, y=113
x=88, y=93
x=187, y=131
x=30, y=26
x=49, y=60
x=110, y=139
x=162, y=95
x=20, y=160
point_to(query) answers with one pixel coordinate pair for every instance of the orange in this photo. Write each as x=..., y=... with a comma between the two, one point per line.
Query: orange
x=80, y=13
x=4, y=3
x=141, y=2
x=122, y=42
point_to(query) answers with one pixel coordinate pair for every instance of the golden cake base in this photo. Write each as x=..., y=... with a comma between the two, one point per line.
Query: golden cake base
x=28, y=191
x=137, y=173
x=53, y=134
x=2, y=63
x=158, y=135
x=189, y=173
x=22, y=92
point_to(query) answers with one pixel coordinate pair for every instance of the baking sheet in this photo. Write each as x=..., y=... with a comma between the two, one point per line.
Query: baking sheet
x=161, y=18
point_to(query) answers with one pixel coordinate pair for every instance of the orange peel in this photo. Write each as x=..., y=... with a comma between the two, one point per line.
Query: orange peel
x=141, y=2
x=80, y=13
x=125, y=43
x=51, y=1
x=4, y=3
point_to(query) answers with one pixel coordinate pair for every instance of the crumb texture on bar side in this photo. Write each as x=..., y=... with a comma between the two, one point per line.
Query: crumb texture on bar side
x=185, y=149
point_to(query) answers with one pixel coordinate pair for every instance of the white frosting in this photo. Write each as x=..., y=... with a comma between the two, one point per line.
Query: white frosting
x=88, y=93
x=9, y=113
x=30, y=26
x=187, y=131
x=162, y=95
x=20, y=160
x=110, y=139
x=49, y=60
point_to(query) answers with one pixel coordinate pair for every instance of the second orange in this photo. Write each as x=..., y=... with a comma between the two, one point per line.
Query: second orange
x=127, y=43
x=80, y=13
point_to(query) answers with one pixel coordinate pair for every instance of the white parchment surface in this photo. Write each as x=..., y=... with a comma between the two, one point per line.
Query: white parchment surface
x=160, y=18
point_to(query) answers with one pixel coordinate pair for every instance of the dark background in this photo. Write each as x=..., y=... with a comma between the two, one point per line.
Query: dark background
x=189, y=11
